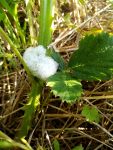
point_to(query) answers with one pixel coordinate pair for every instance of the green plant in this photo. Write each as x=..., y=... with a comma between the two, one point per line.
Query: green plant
x=14, y=35
x=7, y=143
x=93, y=61
x=37, y=84
x=91, y=114
x=78, y=147
x=10, y=19
x=45, y=21
x=56, y=144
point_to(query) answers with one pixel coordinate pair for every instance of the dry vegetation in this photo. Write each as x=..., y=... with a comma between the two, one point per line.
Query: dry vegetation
x=55, y=119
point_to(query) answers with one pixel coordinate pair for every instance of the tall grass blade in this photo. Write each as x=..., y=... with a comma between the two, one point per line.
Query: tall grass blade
x=45, y=31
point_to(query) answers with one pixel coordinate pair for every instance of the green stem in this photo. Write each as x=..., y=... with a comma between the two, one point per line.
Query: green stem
x=17, y=53
x=13, y=143
x=46, y=16
x=33, y=102
x=44, y=39
x=30, y=22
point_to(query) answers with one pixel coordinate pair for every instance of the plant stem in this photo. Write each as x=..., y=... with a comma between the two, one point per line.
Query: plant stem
x=44, y=39
x=13, y=143
x=33, y=102
x=46, y=16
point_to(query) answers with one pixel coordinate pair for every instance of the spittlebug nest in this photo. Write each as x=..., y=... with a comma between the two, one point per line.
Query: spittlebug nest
x=40, y=65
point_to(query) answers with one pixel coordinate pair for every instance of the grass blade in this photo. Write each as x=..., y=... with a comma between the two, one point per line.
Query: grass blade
x=45, y=31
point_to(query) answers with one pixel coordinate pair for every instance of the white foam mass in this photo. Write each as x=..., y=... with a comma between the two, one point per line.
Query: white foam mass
x=40, y=65
x=40, y=50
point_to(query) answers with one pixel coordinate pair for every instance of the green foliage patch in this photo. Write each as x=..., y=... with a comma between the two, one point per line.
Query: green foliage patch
x=94, y=58
x=92, y=61
x=91, y=114
x=5, y=145
x=65, y=86
x=56, y=144
x=79, y=147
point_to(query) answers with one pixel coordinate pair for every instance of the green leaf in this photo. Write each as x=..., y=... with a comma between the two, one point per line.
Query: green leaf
x=78, y=147
x=57, y=57
x=56, y=144
x=5, y=144
x=94, y=58
x=5, y=4
x=91, y=114
x=65, y=86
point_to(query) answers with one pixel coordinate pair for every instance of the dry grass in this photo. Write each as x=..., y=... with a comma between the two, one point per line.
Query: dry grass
x=55, y=119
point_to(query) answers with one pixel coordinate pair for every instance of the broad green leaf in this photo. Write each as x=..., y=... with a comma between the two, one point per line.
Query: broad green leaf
x=78, y=147
x=65, y=86
x=91, y=114
x=56, y=144
x=94, y=58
